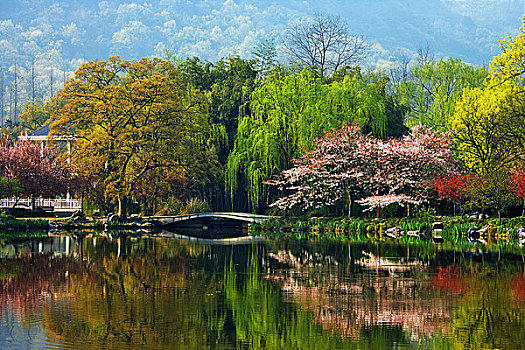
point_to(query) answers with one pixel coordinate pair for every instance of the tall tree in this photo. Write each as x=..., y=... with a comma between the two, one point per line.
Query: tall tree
x=33, y=82
x=2, y=91
x=489, y=123
x=324, y=45
x=510, y=64
x=15, y=92
x=228, y=82
x=489, y=127
x=51, y=83
x=266, y=57
x=233, y=82
x=34, y=116
x=197, y=73
x=131, y=118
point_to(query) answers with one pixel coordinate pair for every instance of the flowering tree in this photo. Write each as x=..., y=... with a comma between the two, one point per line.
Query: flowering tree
x=452, y=187
x=34, y=166
x=376, y=173
x=494, y=190
x=400, y=170
x=325, y=175
x=518, y=186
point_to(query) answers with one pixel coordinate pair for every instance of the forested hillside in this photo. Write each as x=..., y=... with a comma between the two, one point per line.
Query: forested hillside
x=42, y=42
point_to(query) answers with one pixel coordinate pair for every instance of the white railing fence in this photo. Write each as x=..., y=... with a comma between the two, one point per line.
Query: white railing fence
x=56, y=204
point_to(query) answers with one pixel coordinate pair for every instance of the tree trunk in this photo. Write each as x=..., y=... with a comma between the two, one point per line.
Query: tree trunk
x=122, y=207
x=349, y=197
x=408, y=210
x=33, y=202
x=16, y=202
x=523, y=209
x=378, y=206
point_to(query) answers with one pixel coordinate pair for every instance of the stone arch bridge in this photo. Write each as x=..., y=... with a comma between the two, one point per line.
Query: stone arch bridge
x=210, y=225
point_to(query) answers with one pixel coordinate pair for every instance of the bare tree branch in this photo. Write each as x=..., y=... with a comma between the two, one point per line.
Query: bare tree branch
x=324, y=45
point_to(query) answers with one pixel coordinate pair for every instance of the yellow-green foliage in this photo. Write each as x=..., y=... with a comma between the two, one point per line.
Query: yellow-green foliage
x=489, y=122
x=510, y=64
x=488, y=129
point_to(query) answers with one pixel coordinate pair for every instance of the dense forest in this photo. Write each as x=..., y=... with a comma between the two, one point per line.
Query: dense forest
x=320, y=132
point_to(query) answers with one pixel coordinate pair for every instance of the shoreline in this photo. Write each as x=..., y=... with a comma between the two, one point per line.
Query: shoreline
x=493, y=236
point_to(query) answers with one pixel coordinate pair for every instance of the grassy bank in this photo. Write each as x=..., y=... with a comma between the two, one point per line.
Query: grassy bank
x=11, y=227
x=10, y=223
x=365, y=230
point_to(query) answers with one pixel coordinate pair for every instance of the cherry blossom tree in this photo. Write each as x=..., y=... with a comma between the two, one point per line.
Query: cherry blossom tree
x=325, y=175
x=400, y=170
x=346, y=165
x=34, y=166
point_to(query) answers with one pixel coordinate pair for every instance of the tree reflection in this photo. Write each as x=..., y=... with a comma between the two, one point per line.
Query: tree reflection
x=145, y=295
x=369, y=296
x=160, y=294
x=488, y=316
x=263, y=320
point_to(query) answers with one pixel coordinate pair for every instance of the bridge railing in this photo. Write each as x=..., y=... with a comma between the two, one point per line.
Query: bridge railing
x=224, y=215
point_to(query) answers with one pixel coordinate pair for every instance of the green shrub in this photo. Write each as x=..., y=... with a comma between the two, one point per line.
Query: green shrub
x=8, y=222
x=426, y=213
x=195, y=205
x=174, y=206
x=171, y=206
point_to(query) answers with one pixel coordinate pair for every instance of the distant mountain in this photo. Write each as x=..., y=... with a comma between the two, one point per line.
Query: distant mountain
x=58, y=35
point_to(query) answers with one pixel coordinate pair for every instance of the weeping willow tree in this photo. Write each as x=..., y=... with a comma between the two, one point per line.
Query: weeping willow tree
x=286, y=114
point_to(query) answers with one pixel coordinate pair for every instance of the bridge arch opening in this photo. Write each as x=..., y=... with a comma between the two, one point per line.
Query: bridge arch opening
x=209, y=227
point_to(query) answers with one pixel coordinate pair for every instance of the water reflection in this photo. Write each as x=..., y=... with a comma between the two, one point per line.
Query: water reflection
x=114, y=293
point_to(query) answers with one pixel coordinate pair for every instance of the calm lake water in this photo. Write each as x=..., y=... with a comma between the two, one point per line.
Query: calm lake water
x=165, y=293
